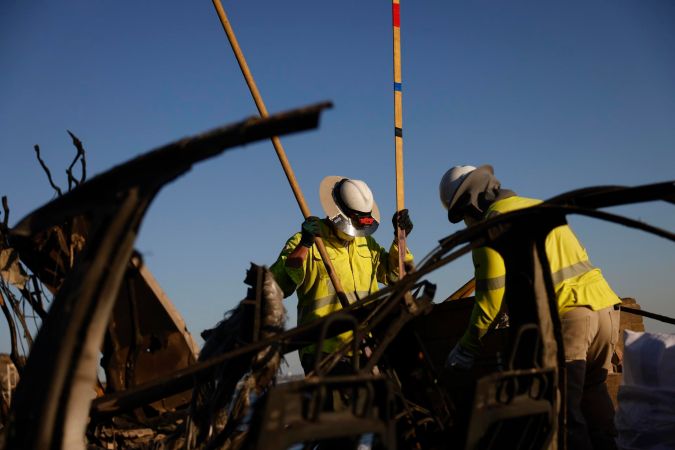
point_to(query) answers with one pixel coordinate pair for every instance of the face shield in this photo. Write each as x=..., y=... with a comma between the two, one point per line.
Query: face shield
x=343, y=236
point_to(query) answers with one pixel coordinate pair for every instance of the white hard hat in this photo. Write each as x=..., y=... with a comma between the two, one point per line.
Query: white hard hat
x=356, y=195
x=450, y=183
x=468, y=190
x=349, y=205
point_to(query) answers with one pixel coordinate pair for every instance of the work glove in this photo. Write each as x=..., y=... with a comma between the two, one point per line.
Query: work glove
x=311, y=228
x=459, y=359
x=403, y=219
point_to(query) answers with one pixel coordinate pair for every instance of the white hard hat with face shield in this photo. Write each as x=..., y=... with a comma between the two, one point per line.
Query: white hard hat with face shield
x=349, y=205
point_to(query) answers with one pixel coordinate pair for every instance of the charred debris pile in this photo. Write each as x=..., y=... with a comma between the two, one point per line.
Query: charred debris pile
x=78, y=300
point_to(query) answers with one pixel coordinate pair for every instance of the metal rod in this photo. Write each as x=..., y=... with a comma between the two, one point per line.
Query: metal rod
x=398, y=131
x=276, y=142
x=650, y=315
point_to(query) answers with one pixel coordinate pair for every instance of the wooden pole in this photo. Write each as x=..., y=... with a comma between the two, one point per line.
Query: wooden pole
x=398, y=131
x=276, y=142
x=463, y=291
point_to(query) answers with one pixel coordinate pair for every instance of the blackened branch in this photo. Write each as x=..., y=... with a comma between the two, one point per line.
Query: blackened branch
x=36, y=295
x=14, y=355
x=5, y=207
x=46, y=169
x=79, y=156
x=18, y=314
x=34, y=301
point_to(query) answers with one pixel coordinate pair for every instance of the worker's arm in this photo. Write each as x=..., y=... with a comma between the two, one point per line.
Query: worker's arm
x=289, y=268
x=490, y=281
x=387, y=269
x=287, y=278
x=297, y=257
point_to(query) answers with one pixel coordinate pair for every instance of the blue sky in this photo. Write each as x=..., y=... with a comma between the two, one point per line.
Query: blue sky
x=555, y=95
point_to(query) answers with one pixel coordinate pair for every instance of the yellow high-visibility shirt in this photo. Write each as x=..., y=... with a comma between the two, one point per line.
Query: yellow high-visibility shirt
x=576, y=281
x=360, y=265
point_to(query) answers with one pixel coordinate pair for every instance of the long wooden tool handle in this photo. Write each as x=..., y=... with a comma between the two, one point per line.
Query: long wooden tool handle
x=276, y=142
x=463, y=291
x=398, y=131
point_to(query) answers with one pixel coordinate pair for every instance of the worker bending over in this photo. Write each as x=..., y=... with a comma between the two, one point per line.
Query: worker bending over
x=590, y=324
x=359, y=261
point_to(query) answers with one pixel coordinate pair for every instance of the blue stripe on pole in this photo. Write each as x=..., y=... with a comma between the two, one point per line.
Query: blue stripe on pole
x=397, y=87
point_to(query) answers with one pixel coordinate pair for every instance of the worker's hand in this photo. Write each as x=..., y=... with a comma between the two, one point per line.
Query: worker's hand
x=311, y=228
x=459, y=358
x=402, y=219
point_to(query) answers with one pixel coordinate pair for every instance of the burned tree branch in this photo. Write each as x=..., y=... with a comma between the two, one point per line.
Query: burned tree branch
x=46, y=169
x=5, y=207
x=21, y=318
x=79, y=156
x=34, y=302
x=14, y=353
x=170, y=161
x=36, y=298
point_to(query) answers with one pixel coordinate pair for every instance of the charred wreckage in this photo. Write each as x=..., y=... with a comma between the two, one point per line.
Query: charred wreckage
x=108, y=314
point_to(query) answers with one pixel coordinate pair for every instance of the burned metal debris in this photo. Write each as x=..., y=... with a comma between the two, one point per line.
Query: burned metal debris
x=216, y=416
x=159, y=394
x=71, y=337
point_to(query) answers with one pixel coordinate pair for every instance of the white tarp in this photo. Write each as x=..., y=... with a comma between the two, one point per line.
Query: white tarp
x=646, y=416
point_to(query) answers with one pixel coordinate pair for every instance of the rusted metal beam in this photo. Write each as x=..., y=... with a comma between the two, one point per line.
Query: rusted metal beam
x=606, y=196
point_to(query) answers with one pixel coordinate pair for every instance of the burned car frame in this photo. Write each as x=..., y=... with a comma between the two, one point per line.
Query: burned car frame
x=67, y=349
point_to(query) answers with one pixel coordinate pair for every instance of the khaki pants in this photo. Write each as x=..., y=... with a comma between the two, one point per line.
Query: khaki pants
x=589, y=339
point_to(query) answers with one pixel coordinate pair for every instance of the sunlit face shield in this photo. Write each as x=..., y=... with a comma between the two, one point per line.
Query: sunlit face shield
x=354, y=223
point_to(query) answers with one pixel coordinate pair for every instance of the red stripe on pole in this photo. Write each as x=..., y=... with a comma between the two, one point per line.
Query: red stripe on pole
x=396, y=14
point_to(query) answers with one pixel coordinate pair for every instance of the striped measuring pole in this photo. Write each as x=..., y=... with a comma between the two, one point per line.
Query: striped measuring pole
x=398, y=128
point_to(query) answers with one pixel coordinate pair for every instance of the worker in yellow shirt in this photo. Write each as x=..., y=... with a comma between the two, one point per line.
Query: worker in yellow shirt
x=590, y=323
x=359, y=261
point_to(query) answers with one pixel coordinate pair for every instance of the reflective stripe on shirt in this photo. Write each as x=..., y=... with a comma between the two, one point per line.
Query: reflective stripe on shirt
x=572, y=271
x=580, y=268
x=329, y=300
x=491, y=284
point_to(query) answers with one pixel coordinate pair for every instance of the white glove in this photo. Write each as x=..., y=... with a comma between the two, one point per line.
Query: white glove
x=459, y=358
